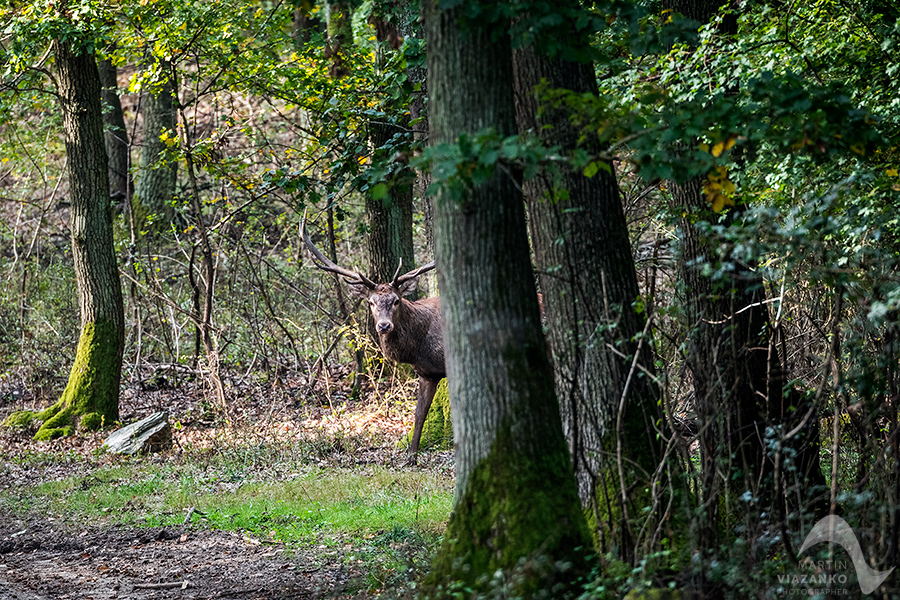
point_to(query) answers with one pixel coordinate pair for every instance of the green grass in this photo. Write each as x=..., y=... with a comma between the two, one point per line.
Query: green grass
x=313, y=505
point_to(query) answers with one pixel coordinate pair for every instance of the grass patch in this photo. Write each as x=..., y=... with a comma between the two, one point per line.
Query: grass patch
x=316, y=505
x=382, y=523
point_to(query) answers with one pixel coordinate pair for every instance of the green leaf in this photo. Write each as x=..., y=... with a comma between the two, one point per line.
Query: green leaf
x=379, y=191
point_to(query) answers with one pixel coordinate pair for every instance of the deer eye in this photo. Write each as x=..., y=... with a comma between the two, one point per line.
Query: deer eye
x=396, y=301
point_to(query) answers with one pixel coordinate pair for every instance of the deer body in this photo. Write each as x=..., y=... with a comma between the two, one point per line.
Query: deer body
x=412, y=333
x=409, y=332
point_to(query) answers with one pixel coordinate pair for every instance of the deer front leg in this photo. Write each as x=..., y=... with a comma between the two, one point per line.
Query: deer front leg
x=424, y=396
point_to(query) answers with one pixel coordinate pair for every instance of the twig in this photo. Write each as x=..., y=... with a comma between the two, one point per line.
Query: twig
x=190, y=513
x=748, y=307
x=314, y=378
x=619, y=419
x=164, y=586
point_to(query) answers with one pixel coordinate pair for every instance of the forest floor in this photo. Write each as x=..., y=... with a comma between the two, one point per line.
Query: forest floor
x=46, y=555
x=44, y=559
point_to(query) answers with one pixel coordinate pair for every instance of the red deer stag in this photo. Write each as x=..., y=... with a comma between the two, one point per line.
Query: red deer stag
x=410, y=332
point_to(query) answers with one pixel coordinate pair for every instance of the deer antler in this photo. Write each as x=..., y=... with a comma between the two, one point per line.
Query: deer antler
x=398, y=281
x=321, y=261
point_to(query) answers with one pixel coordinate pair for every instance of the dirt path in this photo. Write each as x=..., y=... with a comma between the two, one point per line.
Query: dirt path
x=41, y=560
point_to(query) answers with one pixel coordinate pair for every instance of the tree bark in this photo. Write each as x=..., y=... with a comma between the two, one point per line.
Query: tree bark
x=590, y=288
x=516, y=497
x=390, y=238
x=93, y=389
x=116, y=135
x=158, y=176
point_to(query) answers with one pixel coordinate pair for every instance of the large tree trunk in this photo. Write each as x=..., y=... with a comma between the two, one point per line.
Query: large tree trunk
x=93, y=389
x=115, y=134
x=726, y=349
x=735, y=366
x=589, y=287
x=156, y=180
x=516, y=497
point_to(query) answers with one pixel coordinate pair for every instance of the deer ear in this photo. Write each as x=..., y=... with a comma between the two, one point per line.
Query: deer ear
x=407, y=287
x=358, y=289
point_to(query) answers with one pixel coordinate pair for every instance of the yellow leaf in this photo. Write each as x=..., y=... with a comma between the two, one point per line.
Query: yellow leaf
x=859, y=149
x=704, y=147
x=718, y=203
x=728, y=188
x=730, y=142
x=718, y=149
x=891, y=172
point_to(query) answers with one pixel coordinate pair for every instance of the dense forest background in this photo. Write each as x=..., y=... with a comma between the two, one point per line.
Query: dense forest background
x=710, y=208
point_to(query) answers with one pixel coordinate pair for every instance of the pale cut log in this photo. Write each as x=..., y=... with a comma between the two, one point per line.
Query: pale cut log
x=147, y=435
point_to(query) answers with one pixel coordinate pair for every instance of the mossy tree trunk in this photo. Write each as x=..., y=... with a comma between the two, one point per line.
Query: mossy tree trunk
x=93, y=389
x=517, y=518
x=590, y=288
x=156, y=180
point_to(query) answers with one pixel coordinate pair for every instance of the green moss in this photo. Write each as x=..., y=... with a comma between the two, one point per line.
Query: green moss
x=50, y=433
x=92, y=421
x=20, y=420
x=437, y=432
x=25, y=419
x=518, y=524
x=93, y=384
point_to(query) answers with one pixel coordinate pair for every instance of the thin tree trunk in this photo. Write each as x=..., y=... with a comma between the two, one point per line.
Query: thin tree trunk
x=418, y=119
x=390, y=238
x=157, y=177
x=115, y=133
x=516, y=496
x=204, y=318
